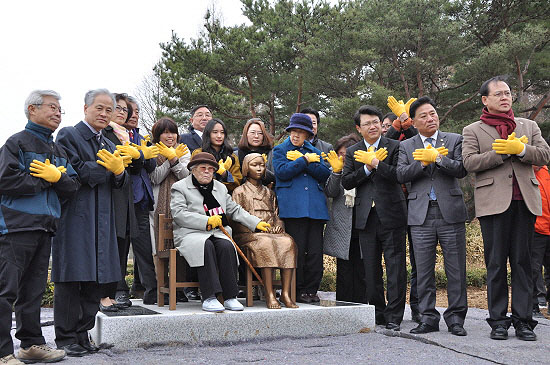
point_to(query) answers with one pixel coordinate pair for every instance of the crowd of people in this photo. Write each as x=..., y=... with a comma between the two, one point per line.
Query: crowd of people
x=101, y=186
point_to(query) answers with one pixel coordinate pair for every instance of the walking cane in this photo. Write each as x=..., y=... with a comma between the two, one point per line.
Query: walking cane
x=243, y=256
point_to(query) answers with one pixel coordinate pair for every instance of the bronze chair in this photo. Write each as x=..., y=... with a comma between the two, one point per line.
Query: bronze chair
x=166, y=259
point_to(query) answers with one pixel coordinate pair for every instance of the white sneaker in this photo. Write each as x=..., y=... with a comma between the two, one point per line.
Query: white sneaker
x=233, y=305
x=212, y=305
x=10, y=360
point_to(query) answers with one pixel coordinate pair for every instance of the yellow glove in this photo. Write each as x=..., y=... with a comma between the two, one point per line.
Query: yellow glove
x=62, y=169
x=397, y=107
x=181, y=150
x=524, y=139
x=111, y=161
x=45, y=170
x=127, y=150
x=149, y=152
x=168, y=152
x=408, y=106
x=510, y=146
x=312, y=157
x=381, y=154
x=224, y=166
x=263, y=226
x=365, y=157
x=214, y=221
x=265, y=157
x=147, y=137
x=335, y=161
x=294, y=155
x=426, y=155
x=442, y=151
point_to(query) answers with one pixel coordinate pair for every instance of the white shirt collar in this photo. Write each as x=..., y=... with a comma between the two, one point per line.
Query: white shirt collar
x=434, y=136
x=375, y=144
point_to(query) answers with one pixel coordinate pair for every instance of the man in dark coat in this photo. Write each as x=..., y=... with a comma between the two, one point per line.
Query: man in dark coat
x=84, y=252
x=199, y=116
x=380, y=214
x=34, y=176
x=315, y=141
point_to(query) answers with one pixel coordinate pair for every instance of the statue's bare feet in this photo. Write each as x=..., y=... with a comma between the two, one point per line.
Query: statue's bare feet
x=271, y=302
x=285, y=299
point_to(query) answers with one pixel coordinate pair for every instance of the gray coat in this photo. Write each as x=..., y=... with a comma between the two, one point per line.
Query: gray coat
x=338, y=229
x=190, y=219
x=444, y=178
x=85, y=247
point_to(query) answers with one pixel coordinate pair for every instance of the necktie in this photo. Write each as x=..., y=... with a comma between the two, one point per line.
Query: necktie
x=432, y=190
x=131, y=134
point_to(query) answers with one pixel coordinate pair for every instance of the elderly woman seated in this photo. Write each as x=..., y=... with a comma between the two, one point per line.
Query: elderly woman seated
x=271, y=249
x=199, y=205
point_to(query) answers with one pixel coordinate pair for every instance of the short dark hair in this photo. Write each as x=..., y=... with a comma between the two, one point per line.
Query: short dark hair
x=418, y=103
x=366, y=109
x=484, y=89
x=346, y=141
x=197, y=107
x=164, y=124
x=312, y=111
x=124, y=96
x=390, y=116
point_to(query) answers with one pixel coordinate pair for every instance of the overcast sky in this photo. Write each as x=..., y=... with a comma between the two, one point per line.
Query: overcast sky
x=74, y=46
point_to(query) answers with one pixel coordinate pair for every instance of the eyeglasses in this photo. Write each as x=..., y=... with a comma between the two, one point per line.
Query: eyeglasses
x=500, y=94
x=206, y=168
x=254, y=133
x=53, y=107
x=201, y=115
x=368, y=124
x=121, y=109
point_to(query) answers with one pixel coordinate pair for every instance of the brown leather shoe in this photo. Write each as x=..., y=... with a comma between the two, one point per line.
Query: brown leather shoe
x=314, y=298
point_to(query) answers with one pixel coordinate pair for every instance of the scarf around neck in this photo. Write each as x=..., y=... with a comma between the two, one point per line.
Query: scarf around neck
x=503, y=122
x=211, y=205
x=120, y=132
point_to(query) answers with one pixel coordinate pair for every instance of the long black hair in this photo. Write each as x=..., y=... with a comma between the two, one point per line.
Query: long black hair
x=226, y=150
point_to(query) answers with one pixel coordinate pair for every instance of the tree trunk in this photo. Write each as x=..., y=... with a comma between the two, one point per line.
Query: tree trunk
x=251, y=95
x=402, y=76
x=545, y=99
x=420, y=84
x=300, y=90
x=520, y=81
x=456, y=105
x=272, y=114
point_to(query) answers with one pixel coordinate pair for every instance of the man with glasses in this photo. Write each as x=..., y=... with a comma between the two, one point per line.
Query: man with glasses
x=500, y=150
x=199, y=116
x=380, y=215
x=34, y=175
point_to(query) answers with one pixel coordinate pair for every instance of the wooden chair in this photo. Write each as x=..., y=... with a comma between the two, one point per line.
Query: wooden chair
x=166, y=260
x=250, y=282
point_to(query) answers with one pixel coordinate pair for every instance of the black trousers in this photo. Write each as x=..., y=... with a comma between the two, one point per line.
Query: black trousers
x=24, y=258
x=308, y=235
x=143, y=254
x=219, y=273
x=375, y=240
x=509, y=235
x=351, y=285
x=413, y=293
x=75, y=306
x=111, y=289
x=540, y=255
x=452, y=239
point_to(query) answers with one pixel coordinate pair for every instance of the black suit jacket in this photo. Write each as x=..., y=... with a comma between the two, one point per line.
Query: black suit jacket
x=191, y=139
x=380, y=187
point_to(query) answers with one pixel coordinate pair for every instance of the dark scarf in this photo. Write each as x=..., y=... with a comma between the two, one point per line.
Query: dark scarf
x=503, y=122
x=211, y=205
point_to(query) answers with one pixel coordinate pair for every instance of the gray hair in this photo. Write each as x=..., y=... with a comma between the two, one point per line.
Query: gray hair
x=92, y=94
x=36, y=98
x=131, y=99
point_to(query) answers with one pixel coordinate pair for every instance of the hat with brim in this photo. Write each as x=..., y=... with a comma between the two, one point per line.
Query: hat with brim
x=300, y=121
x=202, y=157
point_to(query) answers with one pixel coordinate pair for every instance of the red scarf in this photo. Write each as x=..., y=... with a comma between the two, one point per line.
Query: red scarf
x=503, y=122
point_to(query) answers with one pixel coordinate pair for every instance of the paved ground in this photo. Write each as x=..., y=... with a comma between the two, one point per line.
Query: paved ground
x=380, y=346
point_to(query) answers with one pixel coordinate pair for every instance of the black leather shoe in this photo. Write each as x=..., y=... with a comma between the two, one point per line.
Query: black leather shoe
x=193, y=294
x=303, y=298
x=457, y=330
x=415, y=316
x=524, y=332
x=500, y=332
x=537, y=313
x=90, y=347
x=424, y=328
x=123, y=301
x=393, y=326
x=74, y=350
x=181, y=298
x=314, y=298
x=108, y=308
